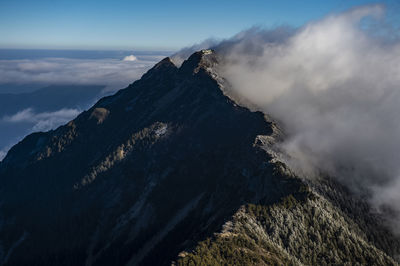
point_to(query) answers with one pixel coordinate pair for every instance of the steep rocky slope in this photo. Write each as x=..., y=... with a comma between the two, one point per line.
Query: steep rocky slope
x=171, y=170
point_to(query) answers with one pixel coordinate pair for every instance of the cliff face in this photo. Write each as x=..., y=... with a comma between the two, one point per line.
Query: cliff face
x=171, y=169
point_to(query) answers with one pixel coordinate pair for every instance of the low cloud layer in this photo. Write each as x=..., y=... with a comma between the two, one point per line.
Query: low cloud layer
x=14, y=127
x=70, y=72
x=2, y=154
x=113, y=73
x=42, y=121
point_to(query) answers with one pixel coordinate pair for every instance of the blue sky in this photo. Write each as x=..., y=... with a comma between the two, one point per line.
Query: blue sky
x=146, y=25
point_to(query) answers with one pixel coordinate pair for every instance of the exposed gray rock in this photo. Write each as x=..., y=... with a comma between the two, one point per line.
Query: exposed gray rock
x=152, y=171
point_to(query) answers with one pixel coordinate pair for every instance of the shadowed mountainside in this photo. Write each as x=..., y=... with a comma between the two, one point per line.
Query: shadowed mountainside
x=171, y=170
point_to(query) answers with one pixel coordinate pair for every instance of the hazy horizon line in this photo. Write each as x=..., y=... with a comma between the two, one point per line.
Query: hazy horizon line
x=91, y=49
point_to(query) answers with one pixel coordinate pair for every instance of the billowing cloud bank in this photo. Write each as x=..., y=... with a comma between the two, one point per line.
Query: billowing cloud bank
x=334, y=86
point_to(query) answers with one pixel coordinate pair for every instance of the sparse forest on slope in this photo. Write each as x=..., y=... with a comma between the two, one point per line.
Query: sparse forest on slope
x=172, y=170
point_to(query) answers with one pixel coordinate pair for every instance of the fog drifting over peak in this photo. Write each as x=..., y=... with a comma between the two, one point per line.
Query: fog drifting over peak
x=334, y=86
x=336, y=91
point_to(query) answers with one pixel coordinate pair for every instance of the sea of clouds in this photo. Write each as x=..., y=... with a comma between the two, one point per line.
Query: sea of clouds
x=114, y=73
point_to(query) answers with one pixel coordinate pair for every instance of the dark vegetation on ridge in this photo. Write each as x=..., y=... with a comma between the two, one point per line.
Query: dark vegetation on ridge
x=170, y=170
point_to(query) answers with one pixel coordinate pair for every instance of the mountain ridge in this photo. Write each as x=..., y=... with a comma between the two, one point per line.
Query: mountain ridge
x=147, y=175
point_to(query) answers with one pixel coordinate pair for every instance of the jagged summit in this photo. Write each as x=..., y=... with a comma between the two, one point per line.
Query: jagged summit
x=201, y=59
x=171, y=169
x=165, y=63
x=165, y=66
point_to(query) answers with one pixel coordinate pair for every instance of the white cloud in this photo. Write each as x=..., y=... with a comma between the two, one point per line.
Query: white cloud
x=42, y=121
x=3, y=154
x=113, y=73
x=184, y=53
x=335, y=88
x=130, y=58
x=28, y=121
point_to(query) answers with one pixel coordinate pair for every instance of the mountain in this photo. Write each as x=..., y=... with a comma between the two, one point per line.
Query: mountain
x=171, y=170
x=43, y=108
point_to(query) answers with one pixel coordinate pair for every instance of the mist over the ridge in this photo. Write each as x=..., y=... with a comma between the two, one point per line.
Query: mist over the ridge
x=334, y=86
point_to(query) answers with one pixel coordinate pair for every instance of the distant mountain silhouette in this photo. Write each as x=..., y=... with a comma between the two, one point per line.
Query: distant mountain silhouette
x=50, y=98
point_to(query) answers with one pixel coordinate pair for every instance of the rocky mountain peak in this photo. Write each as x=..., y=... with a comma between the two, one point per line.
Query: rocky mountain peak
x=199, y=60
x=164, y=67
x=167, y=169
